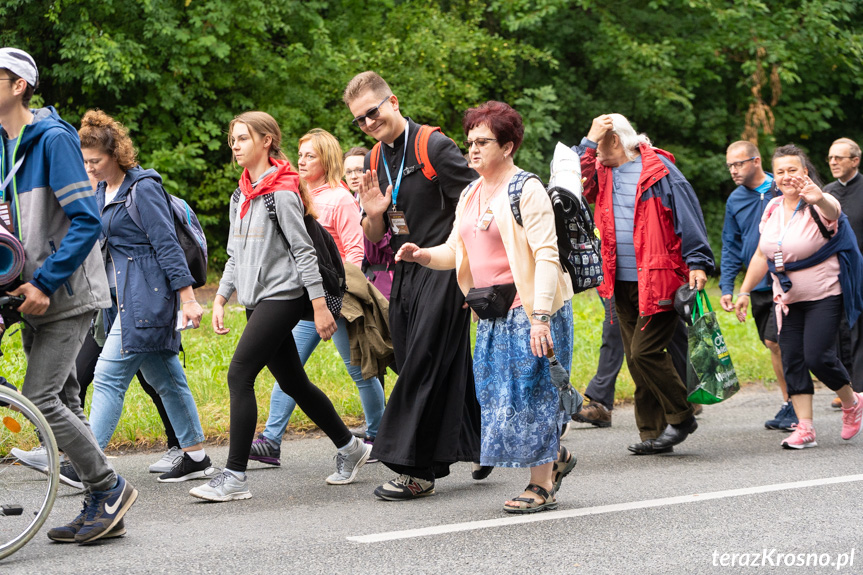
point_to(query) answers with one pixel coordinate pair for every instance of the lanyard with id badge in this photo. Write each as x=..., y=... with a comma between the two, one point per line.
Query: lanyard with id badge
x=482, y=223
x=778, y=260
x=6, y=206
x=398, y=221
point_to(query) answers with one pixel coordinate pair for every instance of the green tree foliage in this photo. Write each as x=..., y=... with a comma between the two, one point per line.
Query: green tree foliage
x=693, y=74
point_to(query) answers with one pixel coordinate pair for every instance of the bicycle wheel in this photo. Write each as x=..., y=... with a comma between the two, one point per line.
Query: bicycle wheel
x=26, y=497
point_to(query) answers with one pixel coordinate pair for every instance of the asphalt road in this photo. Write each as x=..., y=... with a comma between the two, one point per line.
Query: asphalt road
x=729, y=489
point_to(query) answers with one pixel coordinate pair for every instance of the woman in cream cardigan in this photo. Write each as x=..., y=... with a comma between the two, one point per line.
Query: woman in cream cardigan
x=521, y=420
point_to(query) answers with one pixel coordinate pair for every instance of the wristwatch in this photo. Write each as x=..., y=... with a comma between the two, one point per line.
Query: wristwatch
x=543, y=317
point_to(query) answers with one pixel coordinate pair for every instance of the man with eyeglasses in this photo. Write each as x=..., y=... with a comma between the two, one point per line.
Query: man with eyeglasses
x=740, y=235
x=432, y=418
x=844, y=161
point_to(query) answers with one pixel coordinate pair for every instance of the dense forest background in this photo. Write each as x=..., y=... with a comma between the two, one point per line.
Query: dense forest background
x=693, y=74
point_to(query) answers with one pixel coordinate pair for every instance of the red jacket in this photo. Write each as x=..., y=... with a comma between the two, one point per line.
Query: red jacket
x=669, y=234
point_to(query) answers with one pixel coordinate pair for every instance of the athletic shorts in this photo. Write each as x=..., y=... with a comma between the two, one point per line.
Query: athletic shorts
x=764, y=314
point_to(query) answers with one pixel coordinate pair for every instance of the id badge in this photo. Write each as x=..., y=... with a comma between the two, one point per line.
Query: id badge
x=398, y=223
x=6, y=216
x=778, y=261
x=485, y=221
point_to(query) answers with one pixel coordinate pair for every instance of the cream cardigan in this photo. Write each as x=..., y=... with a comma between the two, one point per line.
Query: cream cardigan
x=531, y=249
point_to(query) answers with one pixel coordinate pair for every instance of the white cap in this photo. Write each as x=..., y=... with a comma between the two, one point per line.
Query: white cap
x=20, y=63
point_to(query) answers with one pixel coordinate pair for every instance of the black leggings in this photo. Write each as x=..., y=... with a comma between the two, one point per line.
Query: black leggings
x=808, y=344
x=85, y=365
x=267, y=341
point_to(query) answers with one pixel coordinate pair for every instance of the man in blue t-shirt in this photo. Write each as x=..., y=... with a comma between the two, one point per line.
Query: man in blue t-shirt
x=740, y=236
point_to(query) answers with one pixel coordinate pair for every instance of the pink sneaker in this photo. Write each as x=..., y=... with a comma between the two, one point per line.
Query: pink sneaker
x=801, y=438
x=851, y=418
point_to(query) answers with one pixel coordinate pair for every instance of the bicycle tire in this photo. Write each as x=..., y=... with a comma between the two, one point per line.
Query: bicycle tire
x=14, y=479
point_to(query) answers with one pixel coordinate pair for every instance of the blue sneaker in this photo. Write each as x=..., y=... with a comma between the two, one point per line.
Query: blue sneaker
x=779, y=417
x=789, y=422
x=105, y=510
x=785, y=420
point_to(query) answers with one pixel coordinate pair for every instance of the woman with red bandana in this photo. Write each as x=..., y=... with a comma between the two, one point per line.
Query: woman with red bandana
x=270, y=283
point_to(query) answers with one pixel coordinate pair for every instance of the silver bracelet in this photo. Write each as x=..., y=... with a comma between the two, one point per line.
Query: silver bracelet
x=744, y=293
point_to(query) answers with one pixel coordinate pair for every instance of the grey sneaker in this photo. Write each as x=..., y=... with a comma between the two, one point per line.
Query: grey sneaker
x=348, y=463
x=224, y=487
x=36, y=458
x=168, y=460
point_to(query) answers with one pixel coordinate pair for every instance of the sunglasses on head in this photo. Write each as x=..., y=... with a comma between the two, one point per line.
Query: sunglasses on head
x=372, y=114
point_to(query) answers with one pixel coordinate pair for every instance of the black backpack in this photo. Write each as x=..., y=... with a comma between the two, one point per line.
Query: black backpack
x=190, y=234
x=330, y=264
x=577, y=236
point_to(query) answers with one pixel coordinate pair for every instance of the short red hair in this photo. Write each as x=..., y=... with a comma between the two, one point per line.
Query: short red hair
x=503, y=121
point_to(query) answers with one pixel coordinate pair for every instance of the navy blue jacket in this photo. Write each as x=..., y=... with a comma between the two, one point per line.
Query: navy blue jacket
x=740, y=234
x=149, y=267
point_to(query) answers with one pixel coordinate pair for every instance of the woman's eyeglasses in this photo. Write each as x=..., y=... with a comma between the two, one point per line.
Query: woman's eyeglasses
x=372, y=114
x=481, y=142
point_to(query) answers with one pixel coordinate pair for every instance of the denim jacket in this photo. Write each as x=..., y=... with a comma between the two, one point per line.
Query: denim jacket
x=148, y=266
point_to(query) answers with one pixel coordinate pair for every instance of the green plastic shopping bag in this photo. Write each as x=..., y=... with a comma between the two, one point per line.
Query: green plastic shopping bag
x=710, y=375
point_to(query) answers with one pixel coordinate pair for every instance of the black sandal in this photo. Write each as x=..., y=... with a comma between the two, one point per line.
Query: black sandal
x=532, y=505
x=565, y=463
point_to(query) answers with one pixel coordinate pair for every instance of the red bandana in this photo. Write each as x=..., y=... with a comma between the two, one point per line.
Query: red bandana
x=284, y=178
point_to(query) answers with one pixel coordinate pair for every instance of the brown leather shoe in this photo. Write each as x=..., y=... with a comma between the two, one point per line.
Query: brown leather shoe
x=594, y=414
x=836, y=403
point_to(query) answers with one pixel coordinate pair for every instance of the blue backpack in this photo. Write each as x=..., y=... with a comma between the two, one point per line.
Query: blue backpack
x=189, y=233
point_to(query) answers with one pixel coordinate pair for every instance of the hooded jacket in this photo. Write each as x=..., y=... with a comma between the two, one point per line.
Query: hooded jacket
x=56, y=217
x=669, y=234
x=148, y=265
x=740, y=234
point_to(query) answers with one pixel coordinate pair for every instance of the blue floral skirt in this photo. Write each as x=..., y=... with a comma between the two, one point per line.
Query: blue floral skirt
x=521, y=416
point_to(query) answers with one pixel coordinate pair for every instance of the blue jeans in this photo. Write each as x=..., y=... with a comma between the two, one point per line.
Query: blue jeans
x=163, y=371
x=371, y=390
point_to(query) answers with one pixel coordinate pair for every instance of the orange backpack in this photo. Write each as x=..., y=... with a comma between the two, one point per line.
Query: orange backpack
x=421, y=149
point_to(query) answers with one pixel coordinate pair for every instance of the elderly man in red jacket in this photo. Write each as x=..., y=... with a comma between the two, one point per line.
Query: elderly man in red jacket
x=653, y=241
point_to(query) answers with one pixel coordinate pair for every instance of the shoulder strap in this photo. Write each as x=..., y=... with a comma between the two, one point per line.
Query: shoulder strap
x=270, y=202
x=133, y=209
x=516, y=185
x=421, y=150
x=825, y=233
x=375, y=157
x=235, y=197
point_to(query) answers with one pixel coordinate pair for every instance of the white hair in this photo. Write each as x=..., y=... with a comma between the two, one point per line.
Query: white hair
x=628, y=138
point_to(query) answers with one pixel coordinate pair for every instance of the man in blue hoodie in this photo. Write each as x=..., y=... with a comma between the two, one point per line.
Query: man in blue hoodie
x=740, y=235
x=53, y=211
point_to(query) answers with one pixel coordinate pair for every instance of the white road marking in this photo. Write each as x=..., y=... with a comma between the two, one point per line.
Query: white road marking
x=557, y=515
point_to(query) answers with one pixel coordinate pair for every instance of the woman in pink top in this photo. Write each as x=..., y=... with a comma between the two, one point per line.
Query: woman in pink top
x=320, y=166
x=808, y=310
x=521, y=418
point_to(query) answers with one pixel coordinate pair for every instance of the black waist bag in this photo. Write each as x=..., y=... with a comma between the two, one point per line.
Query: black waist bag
x=491, y=302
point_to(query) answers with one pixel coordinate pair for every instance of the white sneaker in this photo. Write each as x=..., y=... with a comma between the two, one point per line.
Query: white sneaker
x=36, y=458
x=348, y=462
x=167, y=462
x=224, y=487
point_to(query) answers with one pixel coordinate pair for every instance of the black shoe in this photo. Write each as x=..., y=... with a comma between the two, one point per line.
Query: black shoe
x=675, y=434
x=480, y=472
x=187, y=468
x=649, y=447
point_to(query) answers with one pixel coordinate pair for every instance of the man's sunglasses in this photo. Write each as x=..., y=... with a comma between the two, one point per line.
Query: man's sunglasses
x=372, y=114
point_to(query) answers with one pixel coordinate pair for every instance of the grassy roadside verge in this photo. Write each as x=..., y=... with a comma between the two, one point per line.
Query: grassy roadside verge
x=208, y=357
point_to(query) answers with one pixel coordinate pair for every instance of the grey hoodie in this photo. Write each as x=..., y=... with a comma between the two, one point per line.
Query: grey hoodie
x=259, y=264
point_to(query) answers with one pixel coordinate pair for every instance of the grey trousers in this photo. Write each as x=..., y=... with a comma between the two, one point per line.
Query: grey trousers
x=851, y=350
x=50, y=383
